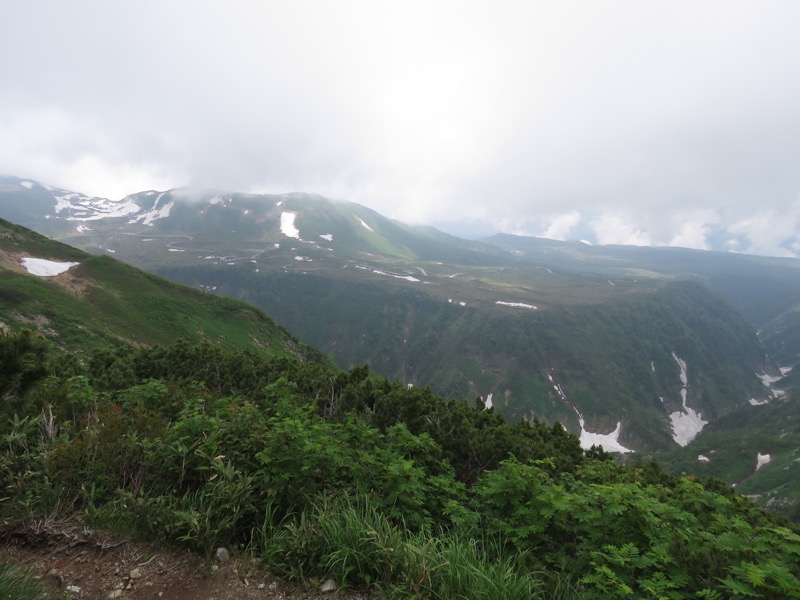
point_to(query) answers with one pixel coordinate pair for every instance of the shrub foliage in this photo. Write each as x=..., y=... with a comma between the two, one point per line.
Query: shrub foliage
x=323, y=473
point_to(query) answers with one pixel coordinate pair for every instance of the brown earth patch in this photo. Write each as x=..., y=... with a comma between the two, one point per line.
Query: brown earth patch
x=80, y=564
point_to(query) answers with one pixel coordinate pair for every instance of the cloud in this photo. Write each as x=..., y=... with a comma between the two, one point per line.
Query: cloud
x=618, y=229
x=768, y=232
x=691, y=234
x=692, y=230
x=561, y=227
x=76, y=153
x=520, y=115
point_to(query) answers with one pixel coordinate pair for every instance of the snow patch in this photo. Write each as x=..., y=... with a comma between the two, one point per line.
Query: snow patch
x=82, y=228
x=216, y=200
x=607, y=441
x=518, y=305
x=155, y=213
x=326, y=236
x=462, y=303
x=82, y=208
x=379, y=272
x=762, y=459
x=488, y=402
x=287, y=225
x=702, y=458
x=176, y=250
x=756, y=402
x=365, y=225
x=46, y=268
x=685, y=425
x=767, y=379
x=26, y=184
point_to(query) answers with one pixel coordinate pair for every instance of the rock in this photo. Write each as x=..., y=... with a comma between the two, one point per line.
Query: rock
x=115, y=594
x=55, y=578
x=260, y=586
x=222, y=555
x=73, y=589
x=135, y=573
x=273, y=586
x=328, y=586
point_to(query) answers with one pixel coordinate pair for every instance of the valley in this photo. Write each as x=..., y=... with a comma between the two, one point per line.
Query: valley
x=172, y=418
x=635, y=349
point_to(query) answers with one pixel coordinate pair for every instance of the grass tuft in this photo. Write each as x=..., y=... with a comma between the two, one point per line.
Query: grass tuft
x=19, y=585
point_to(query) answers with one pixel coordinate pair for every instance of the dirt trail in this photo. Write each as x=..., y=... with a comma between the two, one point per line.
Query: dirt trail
x=79, y=564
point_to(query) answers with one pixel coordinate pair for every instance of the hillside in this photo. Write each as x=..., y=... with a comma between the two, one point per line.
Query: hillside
x=611, y=361
x=314, y=474
x=97, y=301
x=603, y=350
x=349, y=481
x=756, y=448
x=765, y=291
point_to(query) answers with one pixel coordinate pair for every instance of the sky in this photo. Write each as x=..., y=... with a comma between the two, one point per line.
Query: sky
x=664, y=122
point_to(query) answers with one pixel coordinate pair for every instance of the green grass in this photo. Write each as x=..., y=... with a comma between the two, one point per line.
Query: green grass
x=349, y=540
x=16, y=584
x=112, y=303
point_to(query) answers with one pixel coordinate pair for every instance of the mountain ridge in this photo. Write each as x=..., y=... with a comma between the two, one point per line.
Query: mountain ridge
x=436, y=310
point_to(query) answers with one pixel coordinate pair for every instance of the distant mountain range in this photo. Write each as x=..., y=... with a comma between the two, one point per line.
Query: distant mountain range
x=636, y=349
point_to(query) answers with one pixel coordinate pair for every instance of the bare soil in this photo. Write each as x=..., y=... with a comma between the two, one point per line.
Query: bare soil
x=78, y=563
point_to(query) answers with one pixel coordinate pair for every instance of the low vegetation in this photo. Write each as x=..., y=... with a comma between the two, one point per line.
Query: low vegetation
x=101, y=302
x=729, y=449
x=19, y=585
x=321, y=473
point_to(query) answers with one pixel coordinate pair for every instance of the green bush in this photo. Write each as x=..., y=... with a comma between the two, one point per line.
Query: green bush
x=322, y=474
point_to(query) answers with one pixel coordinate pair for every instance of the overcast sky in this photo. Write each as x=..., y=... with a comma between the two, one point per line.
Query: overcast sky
x=657, y=122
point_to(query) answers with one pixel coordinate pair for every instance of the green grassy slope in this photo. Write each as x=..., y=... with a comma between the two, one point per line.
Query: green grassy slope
x=102, y=301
